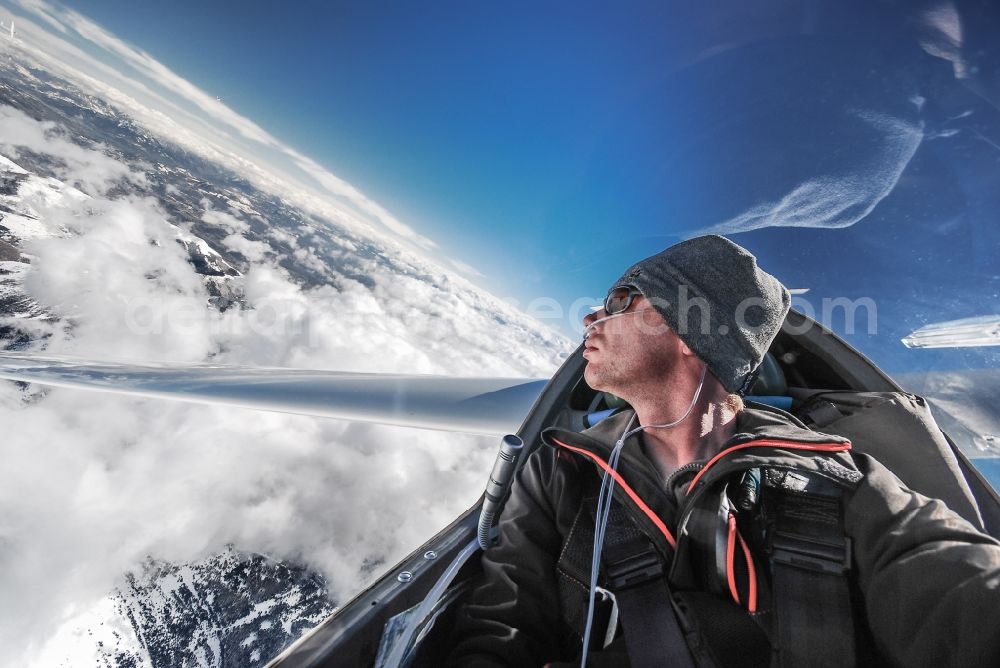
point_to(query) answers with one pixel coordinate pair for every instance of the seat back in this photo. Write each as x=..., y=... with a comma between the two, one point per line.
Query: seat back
x=898, y=430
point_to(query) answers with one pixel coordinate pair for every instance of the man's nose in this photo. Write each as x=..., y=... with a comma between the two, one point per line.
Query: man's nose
x=591, y=317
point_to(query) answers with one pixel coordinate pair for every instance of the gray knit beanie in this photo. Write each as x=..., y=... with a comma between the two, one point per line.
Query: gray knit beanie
x=712, y=293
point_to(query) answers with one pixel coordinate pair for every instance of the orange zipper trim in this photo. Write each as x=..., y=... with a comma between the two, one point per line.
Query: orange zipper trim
x=762, y=443
x=751, y=574
x=730, y=553
x=628, y=490
x=734, y=533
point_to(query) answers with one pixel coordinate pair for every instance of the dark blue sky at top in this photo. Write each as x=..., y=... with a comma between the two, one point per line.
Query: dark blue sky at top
x=551, y=145
x=469, y=122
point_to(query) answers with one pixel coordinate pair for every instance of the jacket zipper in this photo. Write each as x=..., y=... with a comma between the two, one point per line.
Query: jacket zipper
x=690, y=466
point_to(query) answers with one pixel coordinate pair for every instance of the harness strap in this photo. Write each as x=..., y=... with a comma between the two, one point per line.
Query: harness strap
x=653, y=634
x=821, y=414
x=811, y=559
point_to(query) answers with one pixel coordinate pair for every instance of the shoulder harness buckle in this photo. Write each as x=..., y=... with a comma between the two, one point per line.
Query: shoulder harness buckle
x=633, y=568
x=810, y=553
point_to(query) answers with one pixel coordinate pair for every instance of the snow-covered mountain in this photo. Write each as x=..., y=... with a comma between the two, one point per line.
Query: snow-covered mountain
x=152, y=534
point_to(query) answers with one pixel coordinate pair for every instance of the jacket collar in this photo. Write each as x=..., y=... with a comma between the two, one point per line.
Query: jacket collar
x=754, y=422
x=764, y=436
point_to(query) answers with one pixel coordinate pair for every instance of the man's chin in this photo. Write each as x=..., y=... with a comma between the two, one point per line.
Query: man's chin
x=593, y=377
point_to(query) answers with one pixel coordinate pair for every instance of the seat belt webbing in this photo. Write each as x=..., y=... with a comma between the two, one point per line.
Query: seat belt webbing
x=811, y=558
x=653, y=635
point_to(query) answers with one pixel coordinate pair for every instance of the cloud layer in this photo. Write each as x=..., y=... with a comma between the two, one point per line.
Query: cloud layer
x=94, y=484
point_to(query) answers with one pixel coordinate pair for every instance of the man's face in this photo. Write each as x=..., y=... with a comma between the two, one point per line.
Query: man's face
x=627, y=350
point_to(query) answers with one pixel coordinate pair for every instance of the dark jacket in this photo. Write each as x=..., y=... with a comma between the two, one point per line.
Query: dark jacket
x=927, y=583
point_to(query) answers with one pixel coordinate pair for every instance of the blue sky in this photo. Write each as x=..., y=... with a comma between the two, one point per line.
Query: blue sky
x=475, y=125
x=549, y=146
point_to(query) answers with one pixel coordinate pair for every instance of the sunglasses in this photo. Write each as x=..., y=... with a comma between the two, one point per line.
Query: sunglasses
x=619, y=299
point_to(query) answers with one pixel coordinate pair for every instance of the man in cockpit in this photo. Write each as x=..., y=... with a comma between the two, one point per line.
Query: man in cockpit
x=692, y=529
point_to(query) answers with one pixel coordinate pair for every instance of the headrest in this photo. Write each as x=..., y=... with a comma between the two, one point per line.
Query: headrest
x=770, y=379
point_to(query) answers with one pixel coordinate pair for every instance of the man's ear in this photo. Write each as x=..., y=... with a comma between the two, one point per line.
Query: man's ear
x=684, y=348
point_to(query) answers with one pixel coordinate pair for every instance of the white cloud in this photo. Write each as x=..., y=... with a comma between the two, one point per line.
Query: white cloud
x=90, y=170
x=839, y=199
x=42, y=11
x=222, y=219
x=464, y=268
x=93, y=484
x=251, y=250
